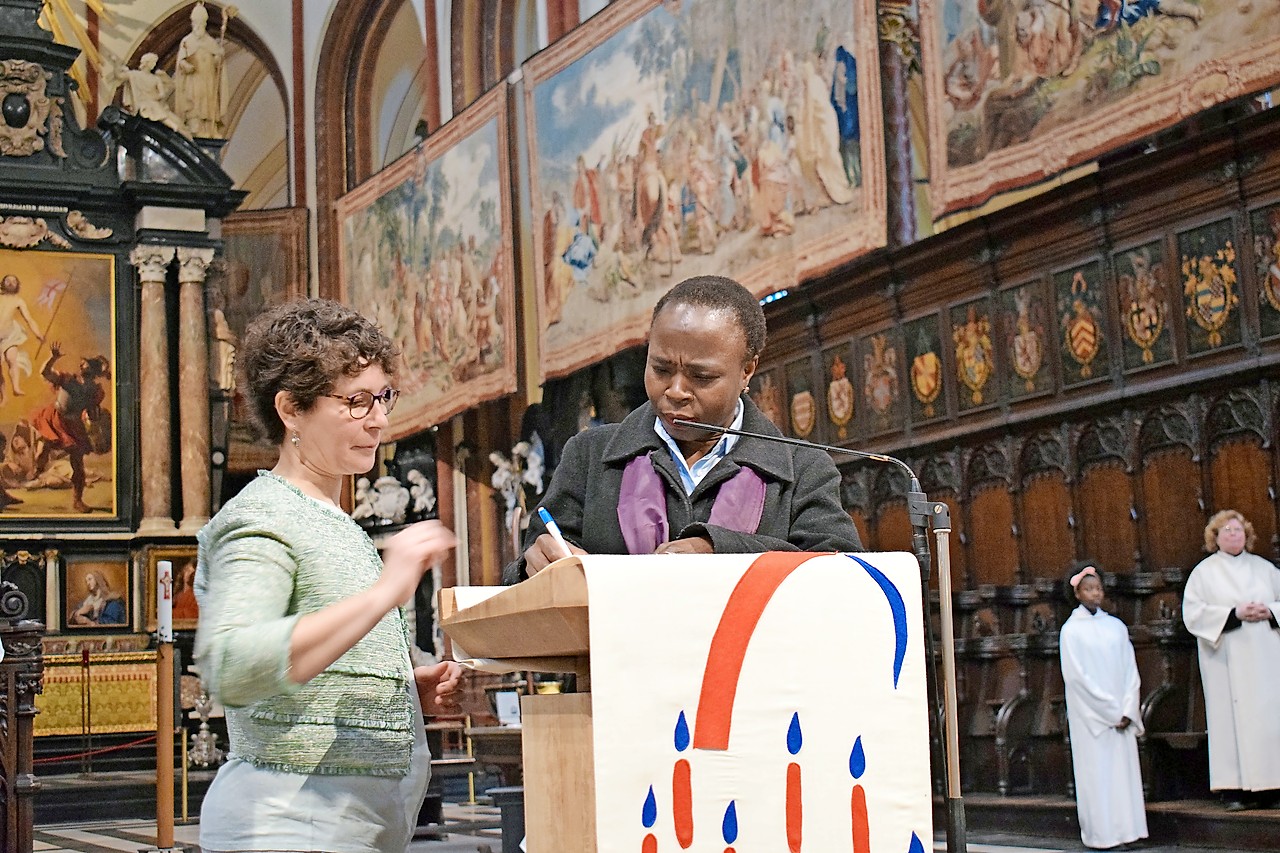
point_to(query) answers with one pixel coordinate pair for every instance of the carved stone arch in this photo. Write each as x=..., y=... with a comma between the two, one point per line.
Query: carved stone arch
x=344, y=142
x=482, y=43
x=466, y=51
x=1238, y=413
x=1171, y=426
x=1106, y=440
x=989, y=463
x=1043, y=453
x=164, y=37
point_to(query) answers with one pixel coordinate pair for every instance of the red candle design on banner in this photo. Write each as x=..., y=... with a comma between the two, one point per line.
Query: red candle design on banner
x=795, y=813
x=648, y=817
x=858, y=800
x=682, y=788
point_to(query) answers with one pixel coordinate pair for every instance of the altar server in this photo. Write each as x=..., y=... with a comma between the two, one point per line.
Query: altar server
x=1103, y=714
x=1231, y=604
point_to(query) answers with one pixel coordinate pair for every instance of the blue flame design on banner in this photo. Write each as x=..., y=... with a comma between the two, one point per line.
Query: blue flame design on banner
x=899, y=610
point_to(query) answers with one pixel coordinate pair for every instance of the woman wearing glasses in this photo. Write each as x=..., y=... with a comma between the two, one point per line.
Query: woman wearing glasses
x=1231, y=604
x=301, y=633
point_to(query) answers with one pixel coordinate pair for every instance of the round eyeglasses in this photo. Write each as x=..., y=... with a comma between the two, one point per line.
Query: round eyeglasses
x=361, y=402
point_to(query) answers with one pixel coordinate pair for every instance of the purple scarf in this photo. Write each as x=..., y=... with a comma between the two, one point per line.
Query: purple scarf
x=642, y=505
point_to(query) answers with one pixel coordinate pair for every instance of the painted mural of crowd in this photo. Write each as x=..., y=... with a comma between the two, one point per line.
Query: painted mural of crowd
x=47, y=446
x=1014, y=46
x=447, y=320
x=786, y=147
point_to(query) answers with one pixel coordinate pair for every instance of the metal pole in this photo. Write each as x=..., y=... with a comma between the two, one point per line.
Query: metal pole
x=186, y=816
x=956, y=832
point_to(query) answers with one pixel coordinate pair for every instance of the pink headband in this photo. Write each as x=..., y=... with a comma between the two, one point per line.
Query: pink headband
x=1080, y=575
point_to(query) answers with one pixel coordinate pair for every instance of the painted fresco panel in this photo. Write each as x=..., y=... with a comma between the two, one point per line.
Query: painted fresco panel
x=426, y=251
x=677, y=139
x=974, y=353
x=1025, y=339
x=880, y=359
x=1082, y=327
x=58, y=391
x=926, y=375
x=840, y=390
x=1018, y=91
x=1144, y=305
x=1210, y=286
x=1265, y=225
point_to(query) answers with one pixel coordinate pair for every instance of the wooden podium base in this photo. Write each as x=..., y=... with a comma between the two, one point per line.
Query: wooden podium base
x=559, y=788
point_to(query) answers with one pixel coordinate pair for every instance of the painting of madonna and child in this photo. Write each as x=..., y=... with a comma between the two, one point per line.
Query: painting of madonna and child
x=682, y=138
x=1020, y=90
x=57, y=387
x=426, y=251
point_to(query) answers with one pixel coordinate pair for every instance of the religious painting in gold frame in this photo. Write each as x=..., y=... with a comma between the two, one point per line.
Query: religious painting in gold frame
x=426, y=250
x=1017, y=92
x=58, y=373
x=96, y=592
x=186, y=611
x=668, y=140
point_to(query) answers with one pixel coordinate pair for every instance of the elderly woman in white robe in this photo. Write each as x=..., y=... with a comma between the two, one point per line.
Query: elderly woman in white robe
x=1104, y=718
x=1231, y=605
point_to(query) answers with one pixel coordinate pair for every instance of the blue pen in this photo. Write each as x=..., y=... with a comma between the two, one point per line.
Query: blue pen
x=554, y=530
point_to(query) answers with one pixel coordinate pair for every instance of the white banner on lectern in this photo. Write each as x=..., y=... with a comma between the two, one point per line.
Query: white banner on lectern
x=759, y=702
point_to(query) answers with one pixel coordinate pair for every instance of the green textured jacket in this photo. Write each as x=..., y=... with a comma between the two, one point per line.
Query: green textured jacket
x=268, y=557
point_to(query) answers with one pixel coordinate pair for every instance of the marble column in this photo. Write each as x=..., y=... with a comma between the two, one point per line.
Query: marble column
x=193, y=388
x=152, y=263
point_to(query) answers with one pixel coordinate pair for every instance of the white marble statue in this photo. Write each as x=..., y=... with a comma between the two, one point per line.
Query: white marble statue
x=146, y=92
x=201, y=77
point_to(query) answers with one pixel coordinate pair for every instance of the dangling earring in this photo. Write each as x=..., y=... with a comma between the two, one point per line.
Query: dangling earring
x=296, y=439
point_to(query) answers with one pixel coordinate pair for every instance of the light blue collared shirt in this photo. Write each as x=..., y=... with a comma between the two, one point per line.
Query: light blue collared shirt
x=691, y=477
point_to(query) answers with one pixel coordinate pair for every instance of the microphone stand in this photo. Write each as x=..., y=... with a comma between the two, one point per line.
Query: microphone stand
x=924, y=514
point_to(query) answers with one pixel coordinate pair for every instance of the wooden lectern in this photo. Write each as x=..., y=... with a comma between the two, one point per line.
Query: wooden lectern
x=736, y=701
x=541, y=625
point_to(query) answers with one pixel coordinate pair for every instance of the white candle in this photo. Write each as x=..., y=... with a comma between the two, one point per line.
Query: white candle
x=164, y=601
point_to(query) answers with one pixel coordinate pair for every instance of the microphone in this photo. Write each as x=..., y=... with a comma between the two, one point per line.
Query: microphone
x=799, y=442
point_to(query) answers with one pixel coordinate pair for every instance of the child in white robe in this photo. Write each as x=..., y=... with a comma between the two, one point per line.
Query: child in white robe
x=1101, y=677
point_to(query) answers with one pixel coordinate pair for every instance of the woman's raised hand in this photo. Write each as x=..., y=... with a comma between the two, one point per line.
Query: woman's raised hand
x=407, y=556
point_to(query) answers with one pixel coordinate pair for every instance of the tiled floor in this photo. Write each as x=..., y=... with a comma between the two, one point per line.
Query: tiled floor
x=467, y=829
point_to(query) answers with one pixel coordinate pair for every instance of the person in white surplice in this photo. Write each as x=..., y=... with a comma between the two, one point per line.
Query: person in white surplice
x=1231, y=604
x=1103, y=716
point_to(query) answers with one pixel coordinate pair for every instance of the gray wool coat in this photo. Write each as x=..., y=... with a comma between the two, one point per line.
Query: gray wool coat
x=802, y=510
